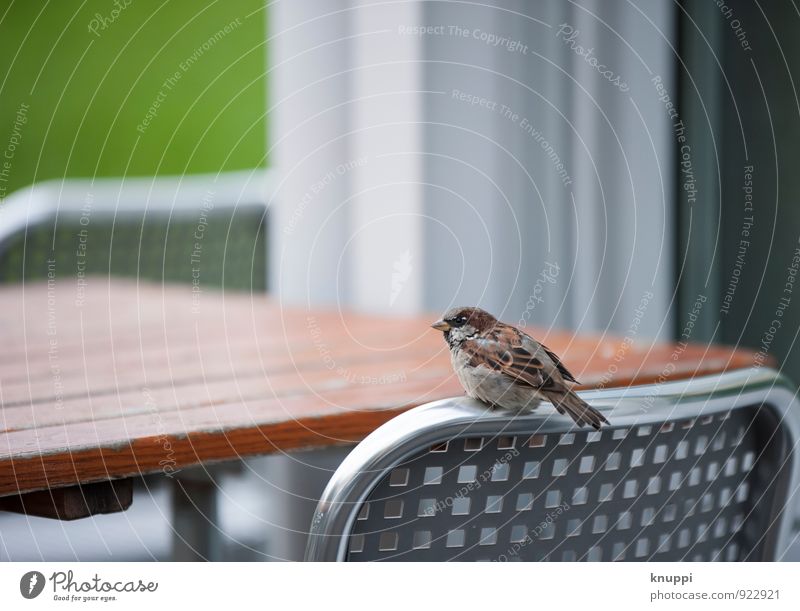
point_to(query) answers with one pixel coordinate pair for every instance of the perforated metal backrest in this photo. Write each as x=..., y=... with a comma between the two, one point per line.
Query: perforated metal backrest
x=708, y=485
x=684, y=490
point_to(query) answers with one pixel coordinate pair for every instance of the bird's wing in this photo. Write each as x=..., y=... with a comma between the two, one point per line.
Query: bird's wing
x=559, y=365
x=503, y=350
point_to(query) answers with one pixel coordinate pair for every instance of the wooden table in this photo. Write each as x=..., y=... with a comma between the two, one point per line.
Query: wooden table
x=116, y=379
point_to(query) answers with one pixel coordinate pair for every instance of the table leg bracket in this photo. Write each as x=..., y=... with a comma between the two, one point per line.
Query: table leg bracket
x=73, y=502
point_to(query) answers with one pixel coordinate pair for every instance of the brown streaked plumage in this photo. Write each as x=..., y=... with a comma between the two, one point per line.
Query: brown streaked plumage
x=500, y=365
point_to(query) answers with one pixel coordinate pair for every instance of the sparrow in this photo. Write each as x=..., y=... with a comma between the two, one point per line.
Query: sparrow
x=500, y=365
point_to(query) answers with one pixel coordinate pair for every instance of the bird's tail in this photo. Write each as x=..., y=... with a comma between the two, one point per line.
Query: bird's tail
x=567, y=402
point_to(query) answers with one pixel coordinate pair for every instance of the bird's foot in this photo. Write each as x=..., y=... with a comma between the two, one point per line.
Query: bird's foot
x=492, y=407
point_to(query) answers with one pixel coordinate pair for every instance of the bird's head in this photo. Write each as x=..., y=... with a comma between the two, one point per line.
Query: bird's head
x=462, y=323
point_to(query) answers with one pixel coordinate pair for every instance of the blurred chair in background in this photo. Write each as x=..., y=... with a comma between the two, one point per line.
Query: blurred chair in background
x=204, y=229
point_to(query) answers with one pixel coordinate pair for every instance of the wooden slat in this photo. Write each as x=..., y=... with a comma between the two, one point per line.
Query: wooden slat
x=187, y=367
x=162, y=399
x=146, y=384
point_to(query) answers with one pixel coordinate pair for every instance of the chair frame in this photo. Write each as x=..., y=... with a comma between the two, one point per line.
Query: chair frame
x=433, y=423
x=120, y=198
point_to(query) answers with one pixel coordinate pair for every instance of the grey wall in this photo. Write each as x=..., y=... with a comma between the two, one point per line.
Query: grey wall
x=500, y=207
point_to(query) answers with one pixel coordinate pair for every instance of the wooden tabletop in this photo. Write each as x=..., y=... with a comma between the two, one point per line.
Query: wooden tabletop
x=114, y=379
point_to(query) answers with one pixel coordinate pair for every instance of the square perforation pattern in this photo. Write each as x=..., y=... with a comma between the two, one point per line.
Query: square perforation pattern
x=689, y=489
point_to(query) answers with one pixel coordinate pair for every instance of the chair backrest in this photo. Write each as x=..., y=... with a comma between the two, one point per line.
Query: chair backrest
x=201, y=230
x=696, y=470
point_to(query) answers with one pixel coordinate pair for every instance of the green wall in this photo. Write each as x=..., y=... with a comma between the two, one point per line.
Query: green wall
x=75, y=102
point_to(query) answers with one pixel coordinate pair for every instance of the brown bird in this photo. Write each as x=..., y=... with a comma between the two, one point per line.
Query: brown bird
x=504, y=367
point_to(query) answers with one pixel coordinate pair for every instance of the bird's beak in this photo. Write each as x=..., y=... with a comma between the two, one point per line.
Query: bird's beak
x=440, y=325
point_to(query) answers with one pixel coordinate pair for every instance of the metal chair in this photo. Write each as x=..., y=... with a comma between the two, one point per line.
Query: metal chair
x=704, y=469
x=205, y=230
